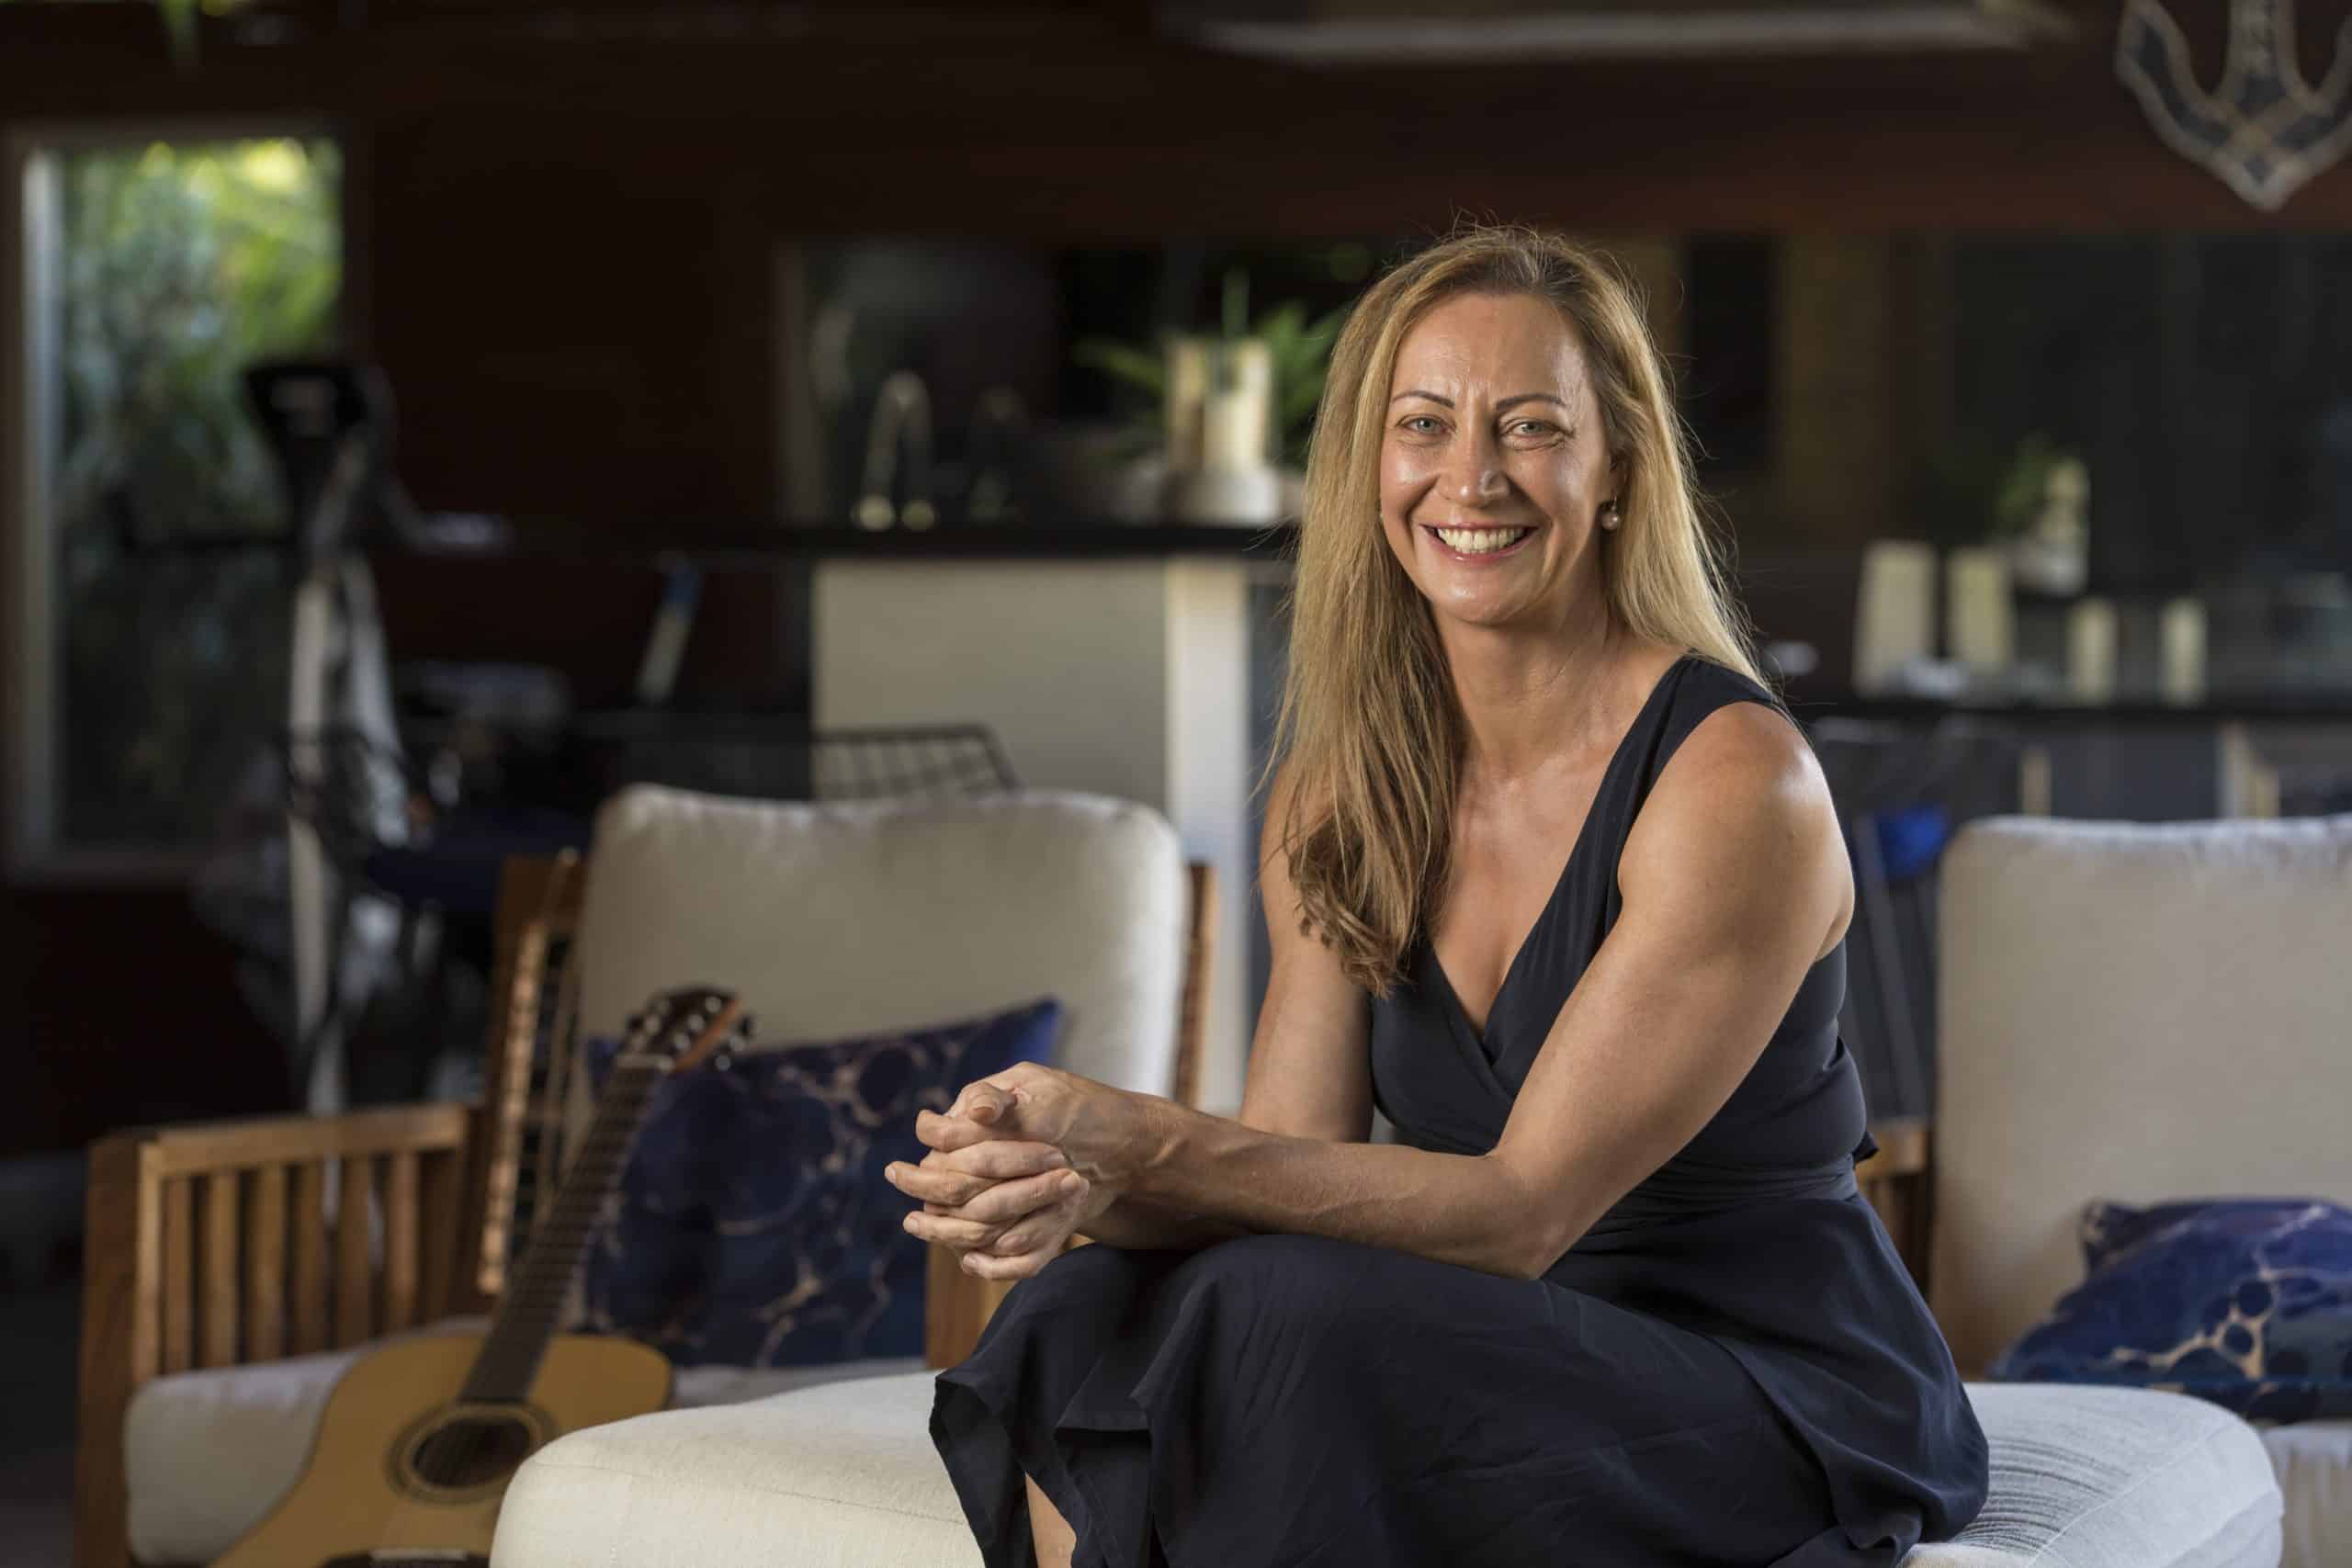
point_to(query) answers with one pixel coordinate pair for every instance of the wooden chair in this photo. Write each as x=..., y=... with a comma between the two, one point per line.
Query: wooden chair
x=232, y=1243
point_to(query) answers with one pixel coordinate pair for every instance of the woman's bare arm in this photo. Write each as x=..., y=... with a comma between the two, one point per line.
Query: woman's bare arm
x=1733, y=877
x=1310, y=1067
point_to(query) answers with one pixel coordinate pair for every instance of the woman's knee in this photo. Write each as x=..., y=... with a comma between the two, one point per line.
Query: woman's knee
x=1305, y=1273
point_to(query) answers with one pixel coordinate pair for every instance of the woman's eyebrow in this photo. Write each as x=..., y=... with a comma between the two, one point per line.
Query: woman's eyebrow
x=1510, y=402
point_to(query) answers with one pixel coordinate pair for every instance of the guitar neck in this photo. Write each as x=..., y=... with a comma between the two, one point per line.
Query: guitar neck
x=533, y=1303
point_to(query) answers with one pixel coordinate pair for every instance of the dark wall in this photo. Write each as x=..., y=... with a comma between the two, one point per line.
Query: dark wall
x=120, y=1008
x=563, y=220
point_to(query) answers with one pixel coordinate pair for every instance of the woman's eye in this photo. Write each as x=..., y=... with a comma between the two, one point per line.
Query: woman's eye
x=1421, y=424
x=1533, y=426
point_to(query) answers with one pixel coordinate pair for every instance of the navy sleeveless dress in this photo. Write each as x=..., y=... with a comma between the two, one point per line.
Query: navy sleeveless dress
x=1732, y=1366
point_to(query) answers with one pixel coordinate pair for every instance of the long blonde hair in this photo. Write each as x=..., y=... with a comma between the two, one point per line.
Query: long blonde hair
x=1369, y=729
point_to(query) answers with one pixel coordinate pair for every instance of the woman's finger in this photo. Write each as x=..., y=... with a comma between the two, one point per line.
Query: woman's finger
x=948, y=1133
x=999, y=1160
x=1029, y=1234
x=964, y=1236
x=949, y=1189
x=1049, y=1228
x=982, y=1101
x=1006, y=1202
x=989, y=1267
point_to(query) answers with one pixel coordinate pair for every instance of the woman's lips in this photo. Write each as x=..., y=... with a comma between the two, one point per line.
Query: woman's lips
x=1478, y=557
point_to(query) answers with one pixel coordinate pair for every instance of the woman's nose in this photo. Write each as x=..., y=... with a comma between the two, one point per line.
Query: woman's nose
x=1474, y=473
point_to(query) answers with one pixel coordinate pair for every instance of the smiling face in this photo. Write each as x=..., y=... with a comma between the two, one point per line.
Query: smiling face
x=1493, y=468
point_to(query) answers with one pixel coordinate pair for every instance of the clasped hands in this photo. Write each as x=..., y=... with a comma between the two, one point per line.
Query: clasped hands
x=1018, y=1164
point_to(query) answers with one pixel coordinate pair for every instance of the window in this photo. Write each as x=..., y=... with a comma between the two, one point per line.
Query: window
x=149, y=623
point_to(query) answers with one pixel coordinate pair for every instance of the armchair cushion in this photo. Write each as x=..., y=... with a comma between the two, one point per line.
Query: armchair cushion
x=819, y=915
x=846, y=1474
x=2245, y=1302
x=754, y=1226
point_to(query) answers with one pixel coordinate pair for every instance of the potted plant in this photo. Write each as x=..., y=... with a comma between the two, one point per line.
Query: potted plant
x=1242, y=400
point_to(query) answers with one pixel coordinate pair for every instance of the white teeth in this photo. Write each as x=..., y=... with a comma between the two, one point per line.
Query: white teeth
x=1478, y=541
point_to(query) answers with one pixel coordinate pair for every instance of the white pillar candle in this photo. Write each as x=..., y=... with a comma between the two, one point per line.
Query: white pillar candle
x=1894, y=615
x=1185, y=370
x=1978, y=629
x=1233, y=430
x=2181, y=639
x=2090, y=650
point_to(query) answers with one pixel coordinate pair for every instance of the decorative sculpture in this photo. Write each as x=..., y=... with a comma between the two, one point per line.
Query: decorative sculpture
x=2265, y=130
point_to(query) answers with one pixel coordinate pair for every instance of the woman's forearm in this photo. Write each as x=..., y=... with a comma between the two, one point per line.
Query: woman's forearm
x=1464, y=1209
x=1145, y=1225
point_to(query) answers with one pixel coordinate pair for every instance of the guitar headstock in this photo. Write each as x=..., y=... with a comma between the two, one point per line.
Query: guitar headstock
x=685, y=1027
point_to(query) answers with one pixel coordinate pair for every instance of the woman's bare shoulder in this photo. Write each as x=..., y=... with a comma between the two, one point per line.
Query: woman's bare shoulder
x=1742, y=804
x=1743, y=752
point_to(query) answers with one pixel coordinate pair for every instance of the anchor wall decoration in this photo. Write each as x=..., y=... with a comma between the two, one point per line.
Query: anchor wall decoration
x=2264, y=129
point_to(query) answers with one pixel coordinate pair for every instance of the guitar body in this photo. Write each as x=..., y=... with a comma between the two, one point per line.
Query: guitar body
x=400, y=1471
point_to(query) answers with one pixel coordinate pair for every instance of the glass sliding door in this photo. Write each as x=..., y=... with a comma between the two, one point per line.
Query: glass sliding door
x=151, y=623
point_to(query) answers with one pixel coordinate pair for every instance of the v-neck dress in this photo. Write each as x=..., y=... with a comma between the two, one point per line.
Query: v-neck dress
x=1732, y=1366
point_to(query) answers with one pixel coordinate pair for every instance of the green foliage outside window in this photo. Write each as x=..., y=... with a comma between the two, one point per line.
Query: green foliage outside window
x=176, y=267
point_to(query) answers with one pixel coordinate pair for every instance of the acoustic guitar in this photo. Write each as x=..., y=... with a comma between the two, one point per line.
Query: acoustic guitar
x=420, y=1437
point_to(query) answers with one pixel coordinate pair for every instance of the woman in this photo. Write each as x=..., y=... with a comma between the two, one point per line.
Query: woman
x=1555, y=883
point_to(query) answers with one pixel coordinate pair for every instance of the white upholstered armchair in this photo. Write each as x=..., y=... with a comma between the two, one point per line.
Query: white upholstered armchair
x=225, y=1295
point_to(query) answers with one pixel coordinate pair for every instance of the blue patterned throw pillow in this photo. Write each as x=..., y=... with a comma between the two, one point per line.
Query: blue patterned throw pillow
x=754, y=1226
x=2245, y=1301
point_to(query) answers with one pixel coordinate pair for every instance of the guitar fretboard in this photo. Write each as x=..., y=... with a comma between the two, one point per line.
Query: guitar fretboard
x=528, y=1312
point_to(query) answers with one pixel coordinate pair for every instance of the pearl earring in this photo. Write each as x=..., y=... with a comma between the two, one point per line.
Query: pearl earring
x=1609, y=515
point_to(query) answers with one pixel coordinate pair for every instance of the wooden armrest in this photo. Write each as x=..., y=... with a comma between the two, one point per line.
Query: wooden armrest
x=956, y=1307
x=1899, y=1182
x=221, y=1244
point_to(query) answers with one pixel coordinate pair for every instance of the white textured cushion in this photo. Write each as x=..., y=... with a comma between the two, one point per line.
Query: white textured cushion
x=845, y=1476
x=2313, y=1460
x=847, y=917
x=207, y=1454
x=2127, y=1011
x=842, y=1476
x=2115, y=1478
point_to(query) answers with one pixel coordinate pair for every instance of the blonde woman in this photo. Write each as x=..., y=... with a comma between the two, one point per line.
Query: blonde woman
x=1555, y=883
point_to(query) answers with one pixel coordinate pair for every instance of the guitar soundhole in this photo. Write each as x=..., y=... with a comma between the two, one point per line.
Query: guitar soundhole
x=472, y=1451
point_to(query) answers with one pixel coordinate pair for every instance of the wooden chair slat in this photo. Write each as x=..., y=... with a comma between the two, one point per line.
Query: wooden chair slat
x=297, y=1140
x=222, y=1208
x=309, y=1284
x=266, y=1265
x=539, y=905
x=440, y=1229
x=355, y=1314
x=401, y=1228
x=179, y=1274
x=1193, y=1005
